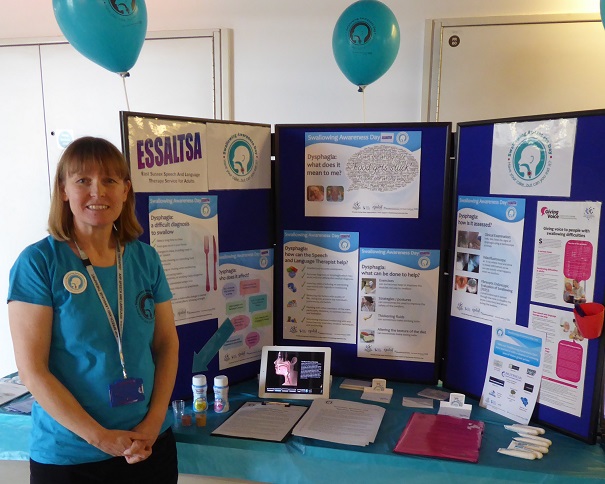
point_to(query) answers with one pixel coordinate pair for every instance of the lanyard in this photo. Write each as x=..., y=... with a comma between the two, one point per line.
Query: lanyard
x=117, y=328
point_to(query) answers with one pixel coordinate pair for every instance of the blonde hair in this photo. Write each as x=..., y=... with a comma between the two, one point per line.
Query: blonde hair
x=81, y=154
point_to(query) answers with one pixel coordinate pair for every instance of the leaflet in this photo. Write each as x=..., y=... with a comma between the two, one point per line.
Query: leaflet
x=489, y=238
x=362, y=174
x=565, y=353
x=246, y=286
x=320, y=285
x=397, y=311
x=565, y=252
x=184, y=231
x=514, y=371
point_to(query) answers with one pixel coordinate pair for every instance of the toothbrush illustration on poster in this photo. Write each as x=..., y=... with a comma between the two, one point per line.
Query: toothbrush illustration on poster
x=184, y=231
x=320, y=285
x=397, y=317
x=565, y=253
x=488, y=259
x=369, y=174
x=245, y=281
x=565, y=352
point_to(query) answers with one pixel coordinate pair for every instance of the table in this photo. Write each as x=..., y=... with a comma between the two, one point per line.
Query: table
x=302, y=460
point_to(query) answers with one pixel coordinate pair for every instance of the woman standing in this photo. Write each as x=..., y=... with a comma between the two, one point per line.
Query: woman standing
x=93, y=331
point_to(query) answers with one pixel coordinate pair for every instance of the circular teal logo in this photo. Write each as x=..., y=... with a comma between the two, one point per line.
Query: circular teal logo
x=529, y=159
x=240, y=157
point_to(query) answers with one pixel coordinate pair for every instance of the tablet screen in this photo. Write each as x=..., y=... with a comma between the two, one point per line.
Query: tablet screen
x=295, y=372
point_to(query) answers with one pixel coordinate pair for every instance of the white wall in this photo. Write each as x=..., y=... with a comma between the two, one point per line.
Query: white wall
x=284, y=70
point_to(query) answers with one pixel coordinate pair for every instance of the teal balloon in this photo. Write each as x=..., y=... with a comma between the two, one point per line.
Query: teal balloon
x=365, y=41
x=108, y=32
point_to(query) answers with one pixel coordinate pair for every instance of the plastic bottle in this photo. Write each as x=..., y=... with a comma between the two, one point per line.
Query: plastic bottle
x=221, y=394
x=200, y=399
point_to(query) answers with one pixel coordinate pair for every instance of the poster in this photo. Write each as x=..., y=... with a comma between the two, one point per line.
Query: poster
x=184, y=231
x=240, y=156
x=565, y=252
x=362, y=174
x=320, y=286
x=489, y=237
x=564, y=366
x=245, y=282
x=397, y=310
x=167, y=155
x=514, y=371
x=533, y=158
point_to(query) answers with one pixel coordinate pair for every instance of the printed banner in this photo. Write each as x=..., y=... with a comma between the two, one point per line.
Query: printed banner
x=167, y=156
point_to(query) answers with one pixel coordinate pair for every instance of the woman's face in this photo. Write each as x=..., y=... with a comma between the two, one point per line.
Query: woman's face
x=95, y=198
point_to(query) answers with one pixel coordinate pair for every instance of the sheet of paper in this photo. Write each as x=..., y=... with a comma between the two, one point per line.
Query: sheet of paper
x=10, y=391
x=341, y=421
x=565, y=252
x=514, y=371
x=262, y=421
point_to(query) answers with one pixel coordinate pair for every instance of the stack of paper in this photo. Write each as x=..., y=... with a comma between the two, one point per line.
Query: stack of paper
x=9, y=390
x=341, y=422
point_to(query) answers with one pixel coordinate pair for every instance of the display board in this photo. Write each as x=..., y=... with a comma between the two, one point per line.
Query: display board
x=360, y=244
x=204, y=199
x=552, y=166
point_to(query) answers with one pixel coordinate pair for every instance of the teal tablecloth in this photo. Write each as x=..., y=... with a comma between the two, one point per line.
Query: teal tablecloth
x=303, y=460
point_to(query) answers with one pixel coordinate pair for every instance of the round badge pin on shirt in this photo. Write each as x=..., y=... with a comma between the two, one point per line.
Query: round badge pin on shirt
x=75, y=282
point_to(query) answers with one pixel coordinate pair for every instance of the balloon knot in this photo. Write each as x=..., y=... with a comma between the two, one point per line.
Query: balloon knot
x=124, y=74
x=362, y=88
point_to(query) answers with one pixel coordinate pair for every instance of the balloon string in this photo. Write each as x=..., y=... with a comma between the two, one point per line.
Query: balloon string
x=363, y=97
x=124, y=76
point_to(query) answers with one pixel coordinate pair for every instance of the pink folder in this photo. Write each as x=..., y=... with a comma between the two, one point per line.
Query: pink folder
x=441, y=436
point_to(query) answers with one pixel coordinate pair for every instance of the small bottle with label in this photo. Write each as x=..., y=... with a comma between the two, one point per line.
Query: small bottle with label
x=221, y=394
x=200, y=399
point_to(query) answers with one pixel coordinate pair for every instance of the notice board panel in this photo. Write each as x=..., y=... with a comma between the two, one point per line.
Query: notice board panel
x=243, y=228
x=338, y=211
x=467, y=341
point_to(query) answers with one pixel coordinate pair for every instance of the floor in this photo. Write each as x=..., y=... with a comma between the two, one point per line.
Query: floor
x=17, y=472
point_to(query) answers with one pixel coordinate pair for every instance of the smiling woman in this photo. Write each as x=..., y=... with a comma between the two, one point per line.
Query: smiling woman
x=101, y=396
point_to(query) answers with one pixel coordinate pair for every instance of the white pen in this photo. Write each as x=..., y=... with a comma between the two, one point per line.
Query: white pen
x=522, y=454
x=523, y=428
x=530, y=429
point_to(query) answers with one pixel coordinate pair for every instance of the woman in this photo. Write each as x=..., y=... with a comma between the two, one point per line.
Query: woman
x=93, y=331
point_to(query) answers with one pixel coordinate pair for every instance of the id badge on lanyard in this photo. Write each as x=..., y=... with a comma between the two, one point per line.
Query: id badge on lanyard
x=125, y=390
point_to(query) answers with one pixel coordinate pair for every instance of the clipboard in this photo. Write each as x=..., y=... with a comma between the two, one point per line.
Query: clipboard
x=266, y=421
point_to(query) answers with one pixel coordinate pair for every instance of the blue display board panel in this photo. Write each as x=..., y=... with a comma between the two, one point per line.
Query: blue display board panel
x=428, y=231
x=467, y=343
x=245, y=222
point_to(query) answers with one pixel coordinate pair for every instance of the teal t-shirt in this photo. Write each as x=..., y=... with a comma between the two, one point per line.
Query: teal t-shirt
x=84, y=353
